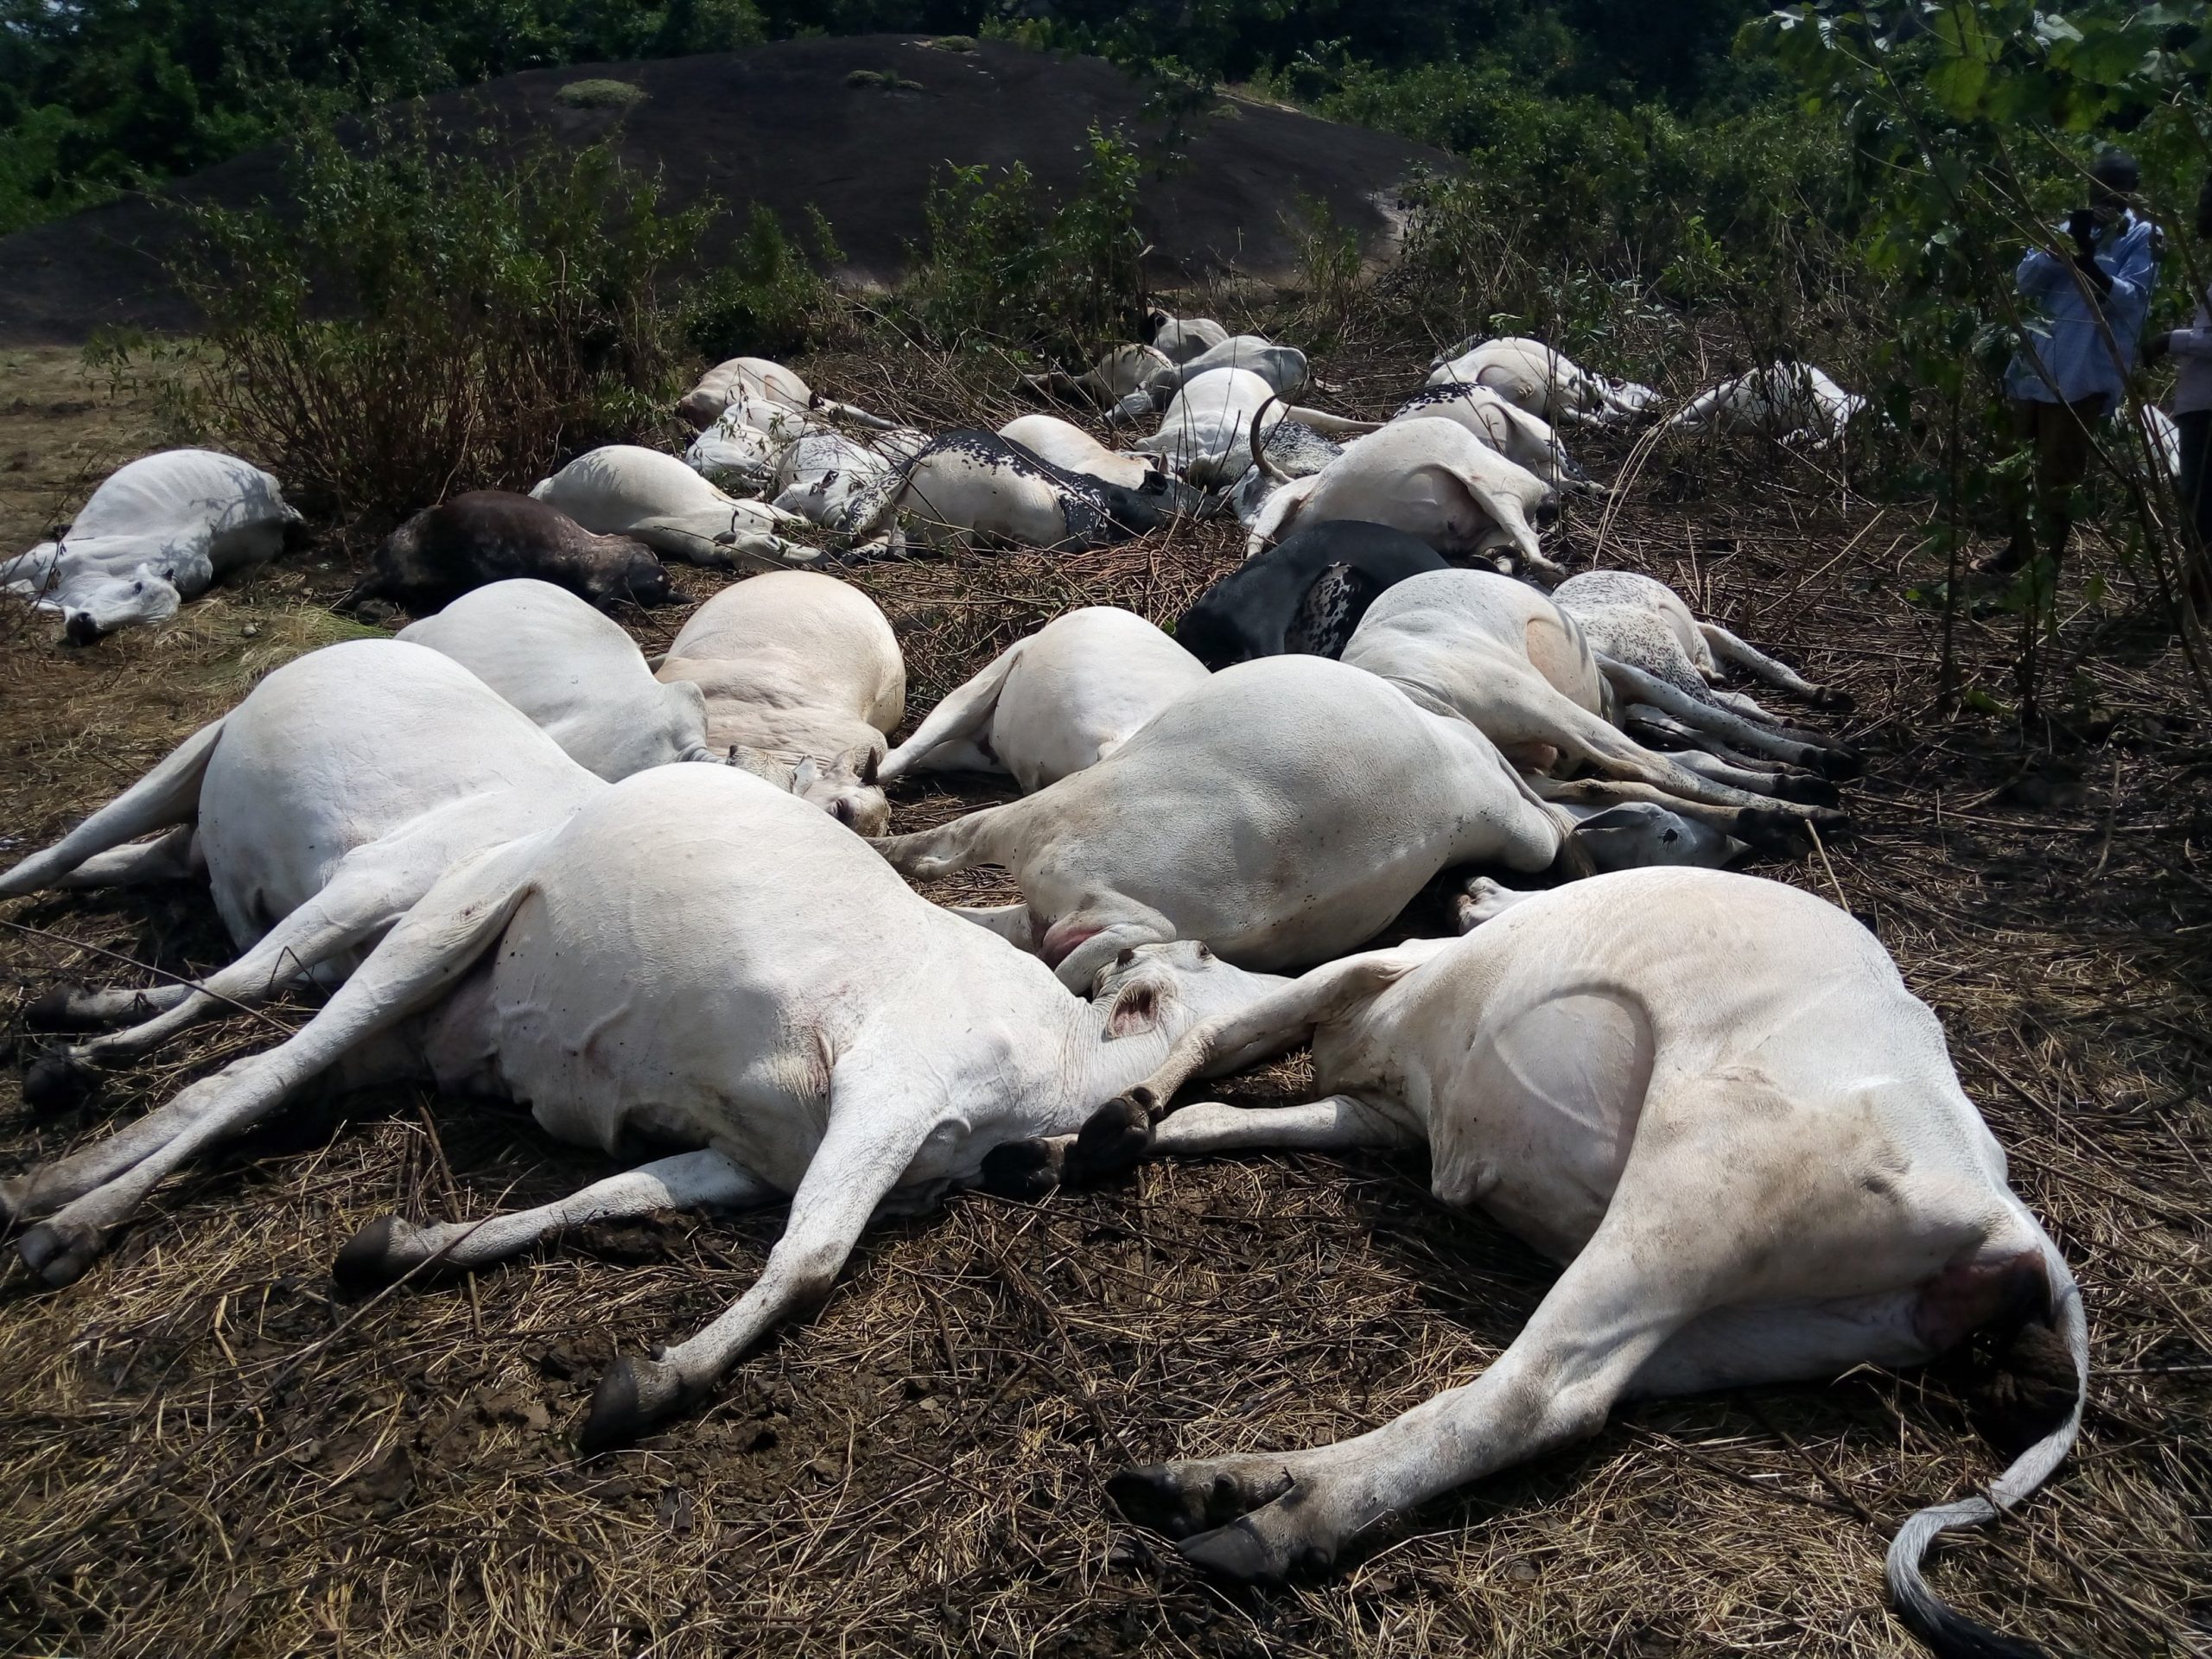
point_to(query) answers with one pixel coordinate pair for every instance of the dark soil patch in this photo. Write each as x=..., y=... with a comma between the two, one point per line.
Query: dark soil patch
x=797, y=125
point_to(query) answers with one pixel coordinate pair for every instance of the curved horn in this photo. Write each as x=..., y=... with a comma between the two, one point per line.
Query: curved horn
x=1259, y=454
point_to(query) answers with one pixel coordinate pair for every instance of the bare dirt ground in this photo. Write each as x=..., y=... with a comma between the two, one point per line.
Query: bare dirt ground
x=208, y=1449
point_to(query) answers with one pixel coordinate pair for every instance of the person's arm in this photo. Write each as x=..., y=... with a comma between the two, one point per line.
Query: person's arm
x=2134, y=272
x=2191, y=342
x=2040, y=274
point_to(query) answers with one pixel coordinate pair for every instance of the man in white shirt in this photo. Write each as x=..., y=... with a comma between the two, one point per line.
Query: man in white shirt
x=2088, y=291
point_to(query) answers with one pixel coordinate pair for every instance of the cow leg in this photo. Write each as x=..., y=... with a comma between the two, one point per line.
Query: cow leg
x=1783, y=785
x=927, y=855
x=1485, y=900
x=1618, y=1303
x=173, y=857
x=1807, y=749
x=425, y=954
x=964, y=716
x=1030, y=1169
x=1764, y=824
x=364, y=896
x=1726, y=647
x=165, y=797
x=878, y=1122
x=387, y=1249
x=82, y=1008
x=1645, y=723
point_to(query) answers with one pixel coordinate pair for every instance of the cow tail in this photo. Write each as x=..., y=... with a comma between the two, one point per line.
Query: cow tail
x=1942, y=1627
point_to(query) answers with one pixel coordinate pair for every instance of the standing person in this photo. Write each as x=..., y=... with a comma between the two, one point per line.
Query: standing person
x=2192, y=412
x=2090, y=297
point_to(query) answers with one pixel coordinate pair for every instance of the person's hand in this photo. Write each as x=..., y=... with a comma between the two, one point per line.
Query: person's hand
x=2081, y=225
x=2156, y=345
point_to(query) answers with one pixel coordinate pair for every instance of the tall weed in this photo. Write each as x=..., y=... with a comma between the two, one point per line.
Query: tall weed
x=427, y=323
x=1004, y=266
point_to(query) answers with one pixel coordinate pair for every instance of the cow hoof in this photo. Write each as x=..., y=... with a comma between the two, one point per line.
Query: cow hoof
x=55, y=1011
x=1151, y=1496
x=374, y=1258
x=1028, y=1170
x=1839, y=763
x=632, y=1396
x=1235, y=1551
x=1805, y=790
x=59, y=1252
x=58, y=1083
x=1114, y=1138
x=1772, y=830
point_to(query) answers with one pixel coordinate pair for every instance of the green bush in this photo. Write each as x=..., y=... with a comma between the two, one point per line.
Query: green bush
x=430, y=322
x=768, y=300
x=1005, y=266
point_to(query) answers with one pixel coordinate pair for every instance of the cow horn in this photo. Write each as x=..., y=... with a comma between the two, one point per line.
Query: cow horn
x=1259, y=454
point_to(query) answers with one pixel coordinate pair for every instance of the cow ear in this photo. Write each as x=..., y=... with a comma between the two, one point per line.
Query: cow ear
x=805, y=775
x=1137, y=1010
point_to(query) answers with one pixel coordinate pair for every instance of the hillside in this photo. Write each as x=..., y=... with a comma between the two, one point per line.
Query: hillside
x=783, y=126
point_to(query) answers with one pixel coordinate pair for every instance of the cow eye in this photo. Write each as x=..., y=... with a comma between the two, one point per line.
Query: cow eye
x=1671, y=835
x=1128, y=955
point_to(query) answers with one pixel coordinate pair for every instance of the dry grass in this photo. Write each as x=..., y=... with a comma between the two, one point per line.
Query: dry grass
x=208, y=1451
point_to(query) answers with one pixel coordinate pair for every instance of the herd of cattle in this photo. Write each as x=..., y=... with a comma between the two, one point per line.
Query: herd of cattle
x=490, y=840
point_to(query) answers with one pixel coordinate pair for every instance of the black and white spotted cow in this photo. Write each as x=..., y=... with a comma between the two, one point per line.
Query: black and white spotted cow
x=1293, y=450
x=1304, y=594
x=970, y=488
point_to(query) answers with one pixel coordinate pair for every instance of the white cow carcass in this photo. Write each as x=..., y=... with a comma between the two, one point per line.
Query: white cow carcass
x=574, y=671
x=737, y=449
x=157, y=532
x=695, y=958
x=1713, y=1099
x=1050, y=704
x=1181, y=339
x=1283, y=367
x=1525, y=440
x=1432, y=479
x=327, y=802
x=803, y=678
x=1233, y=818
x=1205, y=434
x=831, y=480
x=972, y=489
x=1501, y=656
x=1115, y=376
x=1794, y=403
x=1531, y=376
x=622, y=489
x=1071, y=449
x=757, y=380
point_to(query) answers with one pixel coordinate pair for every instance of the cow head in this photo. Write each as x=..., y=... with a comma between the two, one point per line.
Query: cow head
x=641, y=577
x=847, y=789
x=1171, y=988
x=1637, y=834
x=101, y=608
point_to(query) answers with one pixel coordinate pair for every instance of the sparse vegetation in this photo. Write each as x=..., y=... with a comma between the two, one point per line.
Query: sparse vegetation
x=601, y=93
x=429, y=324
x=1003, y=266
